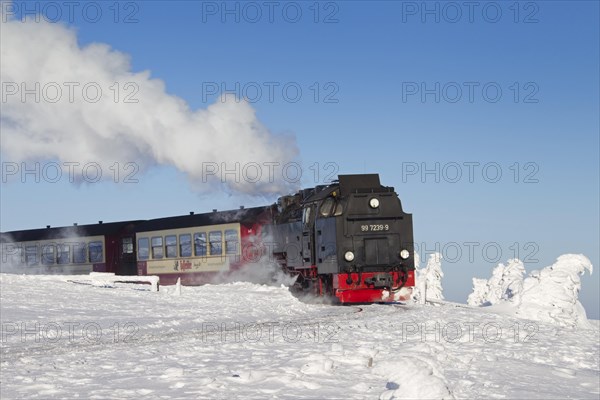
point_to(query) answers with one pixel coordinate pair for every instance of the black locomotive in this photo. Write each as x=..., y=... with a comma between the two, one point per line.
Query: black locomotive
x=349, y=239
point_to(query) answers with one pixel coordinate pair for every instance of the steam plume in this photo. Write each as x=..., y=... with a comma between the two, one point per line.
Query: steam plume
x=160, y=129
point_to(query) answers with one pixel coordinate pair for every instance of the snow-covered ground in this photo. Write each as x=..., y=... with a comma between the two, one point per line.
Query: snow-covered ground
x=63, y=339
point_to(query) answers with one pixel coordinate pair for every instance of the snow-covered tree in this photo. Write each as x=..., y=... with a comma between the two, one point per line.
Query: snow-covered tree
x=419, y=287
x=511, y=285
x=495, y=285
x=433, y=277
x=428, y=283
x=506, y=284
x=552, y=294
x=479, y=296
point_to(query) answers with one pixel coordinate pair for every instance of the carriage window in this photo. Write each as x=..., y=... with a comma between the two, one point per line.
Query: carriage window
x=13, y=254
x=214, y=238
x=231, y=241
x=48, y=254
x=31, y=253
x=200, y=244
x=157, y=247
x=127, y=245
x=64, y=254
x=171, y=242
x=327, y=207
x=185, y=245
x=339, y=209
x=306, y=212
x=143, y=248
x=79, y=253
x=95, y=252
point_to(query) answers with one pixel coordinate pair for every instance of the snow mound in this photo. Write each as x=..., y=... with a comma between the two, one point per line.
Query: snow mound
x=412, y=378
x=552, y=294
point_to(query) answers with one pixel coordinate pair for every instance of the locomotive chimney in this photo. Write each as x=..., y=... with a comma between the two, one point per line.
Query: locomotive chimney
x=74, y=223
x=100, y=222
x=191, y=213
x=47, y=226
x=241, y=207
x=214, y=210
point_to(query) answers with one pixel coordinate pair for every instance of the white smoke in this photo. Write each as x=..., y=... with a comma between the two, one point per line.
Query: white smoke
x=263, y=272
x=256, y=265
x=61, y=119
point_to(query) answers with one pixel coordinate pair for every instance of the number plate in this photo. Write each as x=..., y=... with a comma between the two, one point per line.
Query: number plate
x=374, y=228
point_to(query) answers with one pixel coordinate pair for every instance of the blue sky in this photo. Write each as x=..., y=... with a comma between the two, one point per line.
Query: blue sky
x=358, y=65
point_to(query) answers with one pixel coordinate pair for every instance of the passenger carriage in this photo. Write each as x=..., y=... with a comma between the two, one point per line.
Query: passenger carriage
x=198, y=247
x=73, y=250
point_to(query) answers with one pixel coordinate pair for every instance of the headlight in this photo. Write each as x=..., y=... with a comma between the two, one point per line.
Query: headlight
x=374, y=203
x=349, y=256
x=404, y=254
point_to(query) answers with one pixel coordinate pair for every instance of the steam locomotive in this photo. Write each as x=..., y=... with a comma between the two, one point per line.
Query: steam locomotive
x=349, y=240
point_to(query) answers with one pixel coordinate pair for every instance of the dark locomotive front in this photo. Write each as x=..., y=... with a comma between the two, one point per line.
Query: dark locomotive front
x=350, y=240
